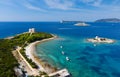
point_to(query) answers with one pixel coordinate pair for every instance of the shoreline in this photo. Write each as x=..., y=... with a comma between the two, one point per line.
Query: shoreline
x=30, y=51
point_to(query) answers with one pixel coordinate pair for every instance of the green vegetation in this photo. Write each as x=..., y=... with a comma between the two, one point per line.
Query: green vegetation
x=43, y=73
x=33, y=65
x=7, y=60
x=21, y=39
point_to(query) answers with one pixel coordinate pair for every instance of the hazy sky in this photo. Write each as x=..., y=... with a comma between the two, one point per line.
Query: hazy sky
x=55, y=10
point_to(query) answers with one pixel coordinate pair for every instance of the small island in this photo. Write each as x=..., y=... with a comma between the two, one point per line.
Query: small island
x=100, y=40
x=81, y=24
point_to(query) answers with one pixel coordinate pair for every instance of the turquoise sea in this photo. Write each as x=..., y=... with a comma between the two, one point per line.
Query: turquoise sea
x=86, y=59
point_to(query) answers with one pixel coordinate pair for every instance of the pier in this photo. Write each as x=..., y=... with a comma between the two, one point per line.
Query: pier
x=61, y=73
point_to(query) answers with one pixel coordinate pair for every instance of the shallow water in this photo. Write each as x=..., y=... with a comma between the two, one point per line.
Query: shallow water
x=86, y=60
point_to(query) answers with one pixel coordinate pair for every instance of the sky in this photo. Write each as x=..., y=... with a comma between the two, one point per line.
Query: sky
x=56, y=10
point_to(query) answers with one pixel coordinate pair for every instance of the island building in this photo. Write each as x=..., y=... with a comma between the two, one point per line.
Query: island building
x=97, y=38
x=32, y=30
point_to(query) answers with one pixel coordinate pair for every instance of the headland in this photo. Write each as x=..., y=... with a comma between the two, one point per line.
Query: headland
x=27, y=58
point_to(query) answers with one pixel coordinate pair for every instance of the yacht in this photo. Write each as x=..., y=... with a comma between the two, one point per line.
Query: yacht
x=67, y=58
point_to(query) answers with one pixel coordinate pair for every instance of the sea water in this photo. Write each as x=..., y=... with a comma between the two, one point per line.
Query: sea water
x=86, y=59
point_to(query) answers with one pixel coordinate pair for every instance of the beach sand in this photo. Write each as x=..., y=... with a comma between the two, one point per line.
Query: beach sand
x=31, y=53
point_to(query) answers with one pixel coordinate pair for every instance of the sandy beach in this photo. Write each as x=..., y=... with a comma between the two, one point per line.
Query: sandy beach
x=30, y=52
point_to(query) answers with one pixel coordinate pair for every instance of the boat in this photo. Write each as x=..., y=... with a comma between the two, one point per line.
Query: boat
x=63, y=52
x=94, y=45
x=61, y=46
x=81, y=24
x=67, y=58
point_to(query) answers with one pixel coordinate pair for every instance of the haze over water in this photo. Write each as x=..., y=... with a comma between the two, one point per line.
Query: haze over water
x=86, y=60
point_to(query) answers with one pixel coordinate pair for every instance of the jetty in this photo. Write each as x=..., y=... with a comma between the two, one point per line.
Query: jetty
x=61, y=73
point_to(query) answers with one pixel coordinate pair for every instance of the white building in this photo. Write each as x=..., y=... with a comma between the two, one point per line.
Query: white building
x=32, y=30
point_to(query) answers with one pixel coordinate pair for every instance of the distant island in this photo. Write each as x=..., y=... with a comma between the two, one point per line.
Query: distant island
x=66, y=21
x=108, y=20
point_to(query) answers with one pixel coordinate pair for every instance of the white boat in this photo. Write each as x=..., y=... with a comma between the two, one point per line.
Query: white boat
x=94, y=45
x=61, y=46
x=67, y=58
x=81, y=24
x=63, y=53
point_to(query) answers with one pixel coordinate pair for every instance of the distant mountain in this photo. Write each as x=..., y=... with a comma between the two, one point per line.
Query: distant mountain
x=108, y=20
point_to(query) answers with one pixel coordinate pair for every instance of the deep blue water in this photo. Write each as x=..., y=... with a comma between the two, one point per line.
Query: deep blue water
x=86, y=60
